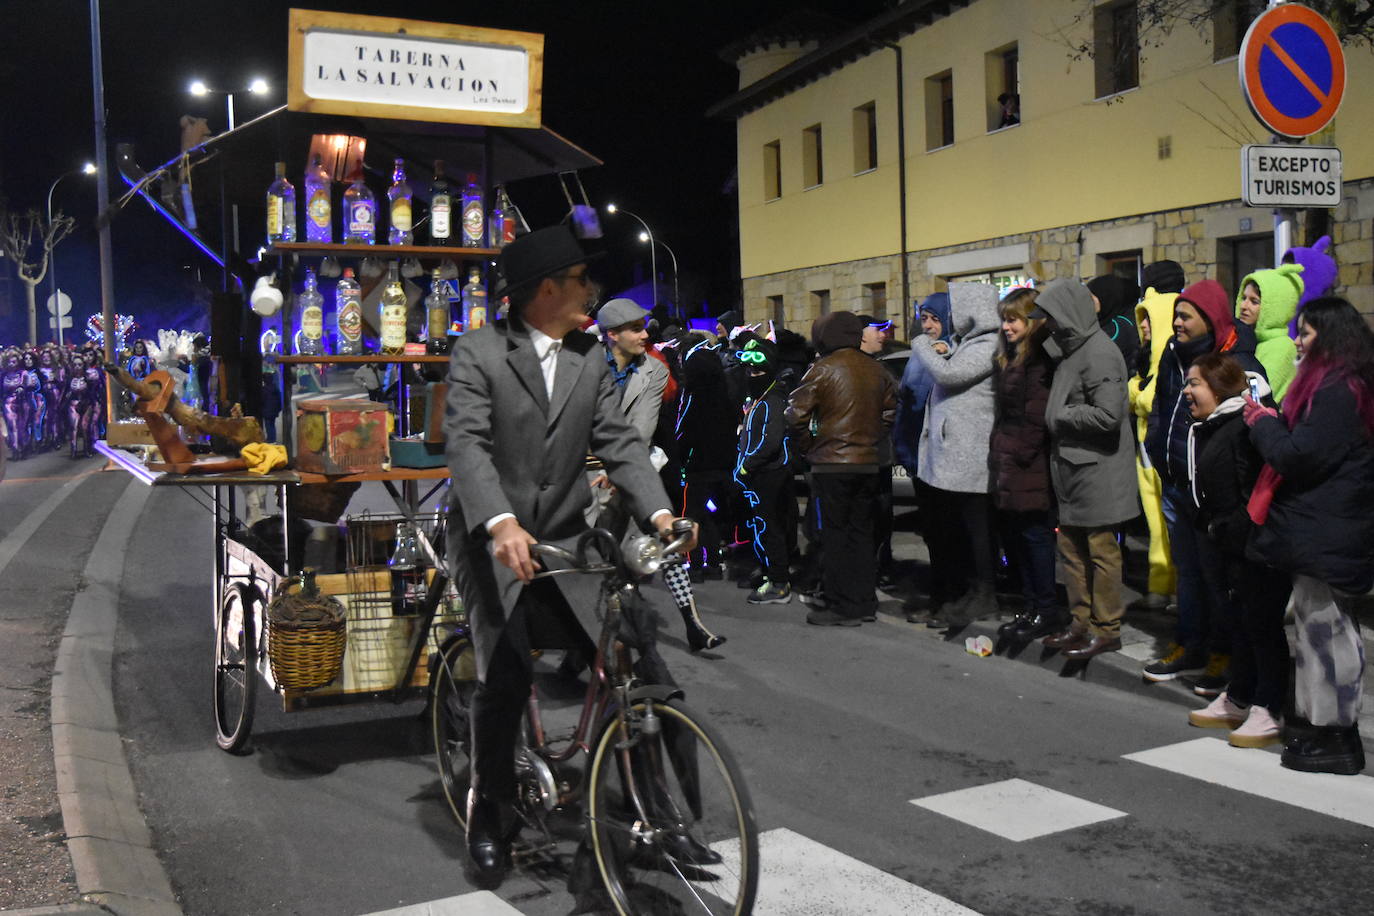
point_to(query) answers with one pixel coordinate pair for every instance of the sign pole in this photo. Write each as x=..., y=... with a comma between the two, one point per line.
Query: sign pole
x=1284, y=217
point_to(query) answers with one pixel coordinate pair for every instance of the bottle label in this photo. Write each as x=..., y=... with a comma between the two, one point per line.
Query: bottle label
x=360, y=219
x=274, y=208
x=438, y=321
x=508, y=230
x=477, y=316
x=318, y=209
x=351, y=320
x=393, y=327
x=472, y=223
x=312, y=322
x=400, y=214
x=439, y=211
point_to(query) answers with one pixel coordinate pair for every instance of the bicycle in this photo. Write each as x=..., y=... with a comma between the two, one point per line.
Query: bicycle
x=668, y=818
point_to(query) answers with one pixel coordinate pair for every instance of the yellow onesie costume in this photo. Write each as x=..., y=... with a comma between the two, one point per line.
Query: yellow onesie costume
x=1159, y=309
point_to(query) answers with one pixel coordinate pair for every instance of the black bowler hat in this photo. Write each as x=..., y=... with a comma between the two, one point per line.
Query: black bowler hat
x=532, y=257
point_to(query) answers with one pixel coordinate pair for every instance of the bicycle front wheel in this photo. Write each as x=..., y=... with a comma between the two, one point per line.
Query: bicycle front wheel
x=670, y=821
x=452, y=681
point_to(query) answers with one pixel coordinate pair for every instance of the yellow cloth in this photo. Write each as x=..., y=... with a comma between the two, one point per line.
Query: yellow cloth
x=1162, y=579
x=263, y=457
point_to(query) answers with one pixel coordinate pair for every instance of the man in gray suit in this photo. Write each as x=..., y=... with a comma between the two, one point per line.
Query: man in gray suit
x=529, y=397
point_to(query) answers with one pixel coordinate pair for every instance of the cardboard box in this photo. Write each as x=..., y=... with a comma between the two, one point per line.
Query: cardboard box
x=341, y=436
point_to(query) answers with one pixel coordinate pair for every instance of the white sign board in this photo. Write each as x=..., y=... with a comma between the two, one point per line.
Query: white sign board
x=404, y=69
x=60, y=304
x=415, y=72
x=1290, y=176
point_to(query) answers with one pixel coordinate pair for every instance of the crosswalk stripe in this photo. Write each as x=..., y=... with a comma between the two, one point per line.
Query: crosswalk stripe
x=800, y=877
x=1350, y=798
x=1017, y=810
x=478, y=903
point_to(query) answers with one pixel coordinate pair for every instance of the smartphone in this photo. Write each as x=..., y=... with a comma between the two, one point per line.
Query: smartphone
x=1255, y=389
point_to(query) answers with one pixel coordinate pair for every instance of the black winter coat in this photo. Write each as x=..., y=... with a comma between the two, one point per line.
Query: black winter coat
x=1019, y=452
x=1320, y=523
x=707, y=418
x=1224, y=467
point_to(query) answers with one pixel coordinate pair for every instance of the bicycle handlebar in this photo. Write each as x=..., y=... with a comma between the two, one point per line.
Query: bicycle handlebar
x=579, y=562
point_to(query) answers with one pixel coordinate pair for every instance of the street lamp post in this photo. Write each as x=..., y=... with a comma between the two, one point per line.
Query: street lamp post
x=87, y=169
x=677, y=302
x=258, y=87
x=653, y=257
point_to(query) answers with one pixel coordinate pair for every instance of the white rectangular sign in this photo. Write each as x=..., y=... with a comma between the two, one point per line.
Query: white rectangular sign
x=1290, y=176
x=416, y=72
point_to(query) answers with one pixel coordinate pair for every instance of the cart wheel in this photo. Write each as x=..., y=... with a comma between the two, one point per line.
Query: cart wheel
x=451, y=685
x=235, y=677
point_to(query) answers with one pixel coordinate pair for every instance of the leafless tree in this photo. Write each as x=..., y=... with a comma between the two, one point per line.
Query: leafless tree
x=27, y=240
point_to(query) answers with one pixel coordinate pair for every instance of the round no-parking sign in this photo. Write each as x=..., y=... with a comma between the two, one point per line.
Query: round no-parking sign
x=1292, y=70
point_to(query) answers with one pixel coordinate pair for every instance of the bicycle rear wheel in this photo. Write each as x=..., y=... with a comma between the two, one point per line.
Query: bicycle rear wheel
x=689, y=844
x=451, y=685
x=235, y=666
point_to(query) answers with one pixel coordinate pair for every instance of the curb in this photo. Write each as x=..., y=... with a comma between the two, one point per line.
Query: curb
x=117, y=869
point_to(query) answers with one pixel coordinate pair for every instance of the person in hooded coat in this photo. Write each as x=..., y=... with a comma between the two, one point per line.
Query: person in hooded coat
x=913, y=393
x=1267, y=302
x=1154, y=315
x=1091, y=466
x=1202, y=324
x=1318, y=274
x=1115, y=298
x=954, y=451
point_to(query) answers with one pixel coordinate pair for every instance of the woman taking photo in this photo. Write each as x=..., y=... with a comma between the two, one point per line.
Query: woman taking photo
x=1312, y=505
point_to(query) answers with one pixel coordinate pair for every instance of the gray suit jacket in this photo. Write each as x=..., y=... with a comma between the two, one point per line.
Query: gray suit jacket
x=512, y=450
x=643, y=396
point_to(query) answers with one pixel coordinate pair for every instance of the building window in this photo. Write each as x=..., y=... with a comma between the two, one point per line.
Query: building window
x=1003, y=70
x=776, y=310
x=813, y=169
x=1230, y=21
x=772, y=170
x=875, y=300
x=820, y=302
x=1124, y=264
x=1116, y=47
x=940, y=110
x=1005, y=279
x=1238, y=257
x=865, y=138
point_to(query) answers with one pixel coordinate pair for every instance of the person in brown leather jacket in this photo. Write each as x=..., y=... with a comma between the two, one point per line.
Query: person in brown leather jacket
x=839, y=413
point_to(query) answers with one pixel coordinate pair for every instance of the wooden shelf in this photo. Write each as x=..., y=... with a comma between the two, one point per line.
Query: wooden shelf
x=364, y=359
x=441, y=473
x=321, y=249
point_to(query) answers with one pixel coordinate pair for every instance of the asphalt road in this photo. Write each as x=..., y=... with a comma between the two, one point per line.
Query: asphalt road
x=839, y=731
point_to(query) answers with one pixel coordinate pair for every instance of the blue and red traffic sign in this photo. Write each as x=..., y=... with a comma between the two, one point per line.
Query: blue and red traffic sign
x=1292, y=70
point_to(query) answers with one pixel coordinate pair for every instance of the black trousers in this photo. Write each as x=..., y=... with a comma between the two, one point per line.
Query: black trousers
x=1259, y=645
x=772, y=511
x=712, y=487
x=845, y=516
x=961, y=525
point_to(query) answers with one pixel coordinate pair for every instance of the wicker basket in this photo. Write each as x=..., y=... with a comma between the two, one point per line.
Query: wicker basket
x=306, y=636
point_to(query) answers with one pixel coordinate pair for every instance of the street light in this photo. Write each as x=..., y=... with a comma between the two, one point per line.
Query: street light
x=87, y=169
x=653, y=258
x=677, y=302
x=258, y=86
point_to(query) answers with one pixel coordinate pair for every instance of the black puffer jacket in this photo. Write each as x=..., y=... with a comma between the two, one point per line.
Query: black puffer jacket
x=1320, y=523
x=1019, y=454
x=1224, y=467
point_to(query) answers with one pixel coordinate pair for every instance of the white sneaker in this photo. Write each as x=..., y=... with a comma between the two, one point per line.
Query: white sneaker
x=1259, y=730
x=1220, y=713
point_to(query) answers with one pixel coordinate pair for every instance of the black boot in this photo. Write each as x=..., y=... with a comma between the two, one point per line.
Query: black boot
x=698, y=637
x=1326, y=749
x=979, y=601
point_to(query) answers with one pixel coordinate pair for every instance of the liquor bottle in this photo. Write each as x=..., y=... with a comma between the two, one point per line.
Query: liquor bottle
x=440, y=208
x=349, y=314
x=473, y=214
x=399, y=232
x=319, y=208
x=508, y=227
x=281, y=208
x=436, y=316
x=360, y=213
x=394, y=307
x=474, y=302
x=310, y=339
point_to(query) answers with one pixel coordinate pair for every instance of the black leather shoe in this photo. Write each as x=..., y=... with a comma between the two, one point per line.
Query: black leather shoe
x=488, y=843
x=684, y=847
x=1041, y=623
x=1012, y=628
x=1326, y=750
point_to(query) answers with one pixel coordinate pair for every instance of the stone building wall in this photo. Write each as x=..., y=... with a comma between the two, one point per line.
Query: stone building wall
x=1196, y=237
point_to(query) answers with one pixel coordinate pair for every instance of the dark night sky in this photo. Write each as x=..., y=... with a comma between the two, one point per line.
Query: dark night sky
x=628, y=81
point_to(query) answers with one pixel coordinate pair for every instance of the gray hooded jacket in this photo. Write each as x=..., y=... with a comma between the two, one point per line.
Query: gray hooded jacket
x=959, y=415
x=1092, y=460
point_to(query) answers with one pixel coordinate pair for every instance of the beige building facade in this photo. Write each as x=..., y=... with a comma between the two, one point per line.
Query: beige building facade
x=1107, y=163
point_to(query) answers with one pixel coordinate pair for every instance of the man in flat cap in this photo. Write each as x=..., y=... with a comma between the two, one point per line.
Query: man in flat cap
x=529, y=397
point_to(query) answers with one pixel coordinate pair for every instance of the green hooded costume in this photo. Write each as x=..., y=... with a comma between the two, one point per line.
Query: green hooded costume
x=1280, y=289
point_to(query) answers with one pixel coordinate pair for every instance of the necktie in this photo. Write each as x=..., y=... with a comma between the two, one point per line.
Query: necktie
x=550, y=366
